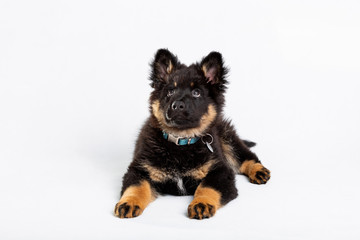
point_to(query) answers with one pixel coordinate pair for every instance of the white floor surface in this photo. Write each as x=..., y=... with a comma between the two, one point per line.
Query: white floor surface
x=74, y=93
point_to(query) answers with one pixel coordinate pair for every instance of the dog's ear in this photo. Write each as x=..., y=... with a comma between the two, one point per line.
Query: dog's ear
x=213, y=68
x=163, y=65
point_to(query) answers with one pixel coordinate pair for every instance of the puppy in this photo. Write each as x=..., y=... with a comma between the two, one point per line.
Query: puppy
x=186, y=147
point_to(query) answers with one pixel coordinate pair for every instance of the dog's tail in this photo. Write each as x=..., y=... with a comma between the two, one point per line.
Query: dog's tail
x=249, y=144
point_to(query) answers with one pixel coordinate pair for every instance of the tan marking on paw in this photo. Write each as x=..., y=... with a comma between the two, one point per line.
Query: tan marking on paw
x=206, y=202
x=256, y=172
x=134, y=200
x=246, y=167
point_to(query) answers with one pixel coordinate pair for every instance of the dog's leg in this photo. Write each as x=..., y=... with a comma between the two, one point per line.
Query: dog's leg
x=247, y=163
x=134, y=199
x=215, y=190
x=240, y=157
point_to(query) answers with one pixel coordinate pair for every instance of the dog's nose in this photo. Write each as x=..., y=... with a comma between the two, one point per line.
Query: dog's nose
x=178, y=105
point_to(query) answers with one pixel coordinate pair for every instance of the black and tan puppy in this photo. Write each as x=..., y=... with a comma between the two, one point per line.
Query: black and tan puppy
x=186, y=147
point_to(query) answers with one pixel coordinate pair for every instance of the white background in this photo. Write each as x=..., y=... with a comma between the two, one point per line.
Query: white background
x=74, y=93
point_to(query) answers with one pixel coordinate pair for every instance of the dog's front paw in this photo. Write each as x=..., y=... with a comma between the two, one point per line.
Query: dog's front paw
x=128, y=209
x=200, y=210
x=259, y=174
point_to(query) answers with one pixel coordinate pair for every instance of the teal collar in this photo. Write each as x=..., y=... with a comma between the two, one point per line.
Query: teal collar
x=179, y=140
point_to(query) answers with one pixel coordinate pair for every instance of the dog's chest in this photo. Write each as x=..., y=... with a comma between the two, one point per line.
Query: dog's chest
x=177, y=176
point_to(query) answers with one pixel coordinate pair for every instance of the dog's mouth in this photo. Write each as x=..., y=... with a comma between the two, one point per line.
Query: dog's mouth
x=181, y=125
x=180, y=121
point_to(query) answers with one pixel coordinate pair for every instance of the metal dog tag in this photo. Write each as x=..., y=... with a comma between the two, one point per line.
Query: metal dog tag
x=208, y=143
x=209, y=147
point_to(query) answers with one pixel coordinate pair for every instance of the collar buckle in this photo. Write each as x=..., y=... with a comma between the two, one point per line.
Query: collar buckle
x=174, y=139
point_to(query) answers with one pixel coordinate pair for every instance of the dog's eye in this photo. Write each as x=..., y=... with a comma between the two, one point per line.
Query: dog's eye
x=196, y=93
x=171, y=92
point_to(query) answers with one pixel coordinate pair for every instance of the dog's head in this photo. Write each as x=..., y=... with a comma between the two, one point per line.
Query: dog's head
x=186, y=100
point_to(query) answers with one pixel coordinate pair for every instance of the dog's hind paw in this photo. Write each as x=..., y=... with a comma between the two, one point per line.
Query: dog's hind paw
x=255, y=171
x=259, y=175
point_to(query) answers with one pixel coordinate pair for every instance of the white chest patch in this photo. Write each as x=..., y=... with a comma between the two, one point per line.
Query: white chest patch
x=180, y=185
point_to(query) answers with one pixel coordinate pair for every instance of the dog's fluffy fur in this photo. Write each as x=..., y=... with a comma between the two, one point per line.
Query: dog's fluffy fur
x=187, y=101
